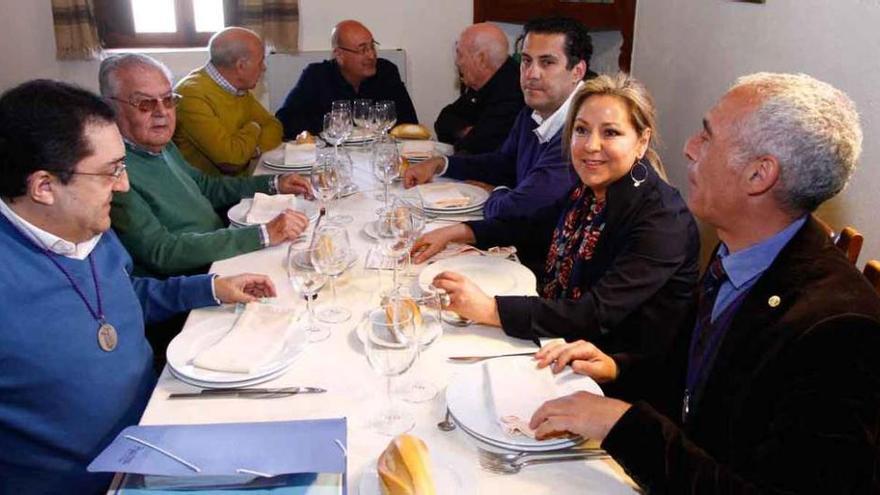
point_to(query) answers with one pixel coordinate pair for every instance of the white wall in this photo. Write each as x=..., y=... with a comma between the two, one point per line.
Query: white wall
x=688, y=52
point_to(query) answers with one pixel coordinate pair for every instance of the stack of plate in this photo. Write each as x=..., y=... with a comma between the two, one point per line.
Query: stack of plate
x=237, y=215
x=275, y=160
x=477, y=195
x=416, y=153
x=187, y=345
x=470, y=405
x=359, y=137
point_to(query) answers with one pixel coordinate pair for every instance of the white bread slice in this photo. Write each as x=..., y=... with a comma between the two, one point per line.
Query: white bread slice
x=405, y=467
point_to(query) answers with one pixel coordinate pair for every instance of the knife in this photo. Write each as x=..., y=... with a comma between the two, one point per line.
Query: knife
x=254, y=393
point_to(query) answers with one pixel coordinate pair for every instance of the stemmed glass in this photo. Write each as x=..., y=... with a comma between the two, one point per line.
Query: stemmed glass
x=391, y=347
x=386, y=164
x=361, y=113
x=426, y=314
x=412, y=201
x=331, y=256
x=305, y=280
x=325, y=180
x=337, y=127
x=395, y=235
x=386, y=115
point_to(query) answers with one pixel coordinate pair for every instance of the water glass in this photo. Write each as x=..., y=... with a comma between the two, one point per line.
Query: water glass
x=305, y=280
x=386, y=164
x=331, y=256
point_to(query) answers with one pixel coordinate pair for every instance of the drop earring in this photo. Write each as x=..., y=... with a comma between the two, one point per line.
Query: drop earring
x=638, y=182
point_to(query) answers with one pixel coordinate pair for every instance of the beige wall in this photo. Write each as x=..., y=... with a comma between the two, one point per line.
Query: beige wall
x=689, y=51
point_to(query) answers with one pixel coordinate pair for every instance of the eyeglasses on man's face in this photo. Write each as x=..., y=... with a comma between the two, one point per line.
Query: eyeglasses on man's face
x=150, y=104
x=117, y=172
x=363, y=50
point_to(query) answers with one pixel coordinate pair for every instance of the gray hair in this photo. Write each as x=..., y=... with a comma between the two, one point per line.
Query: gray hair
x=810, y=127
x=108, y=80
x=225, y=50
x=495, y=48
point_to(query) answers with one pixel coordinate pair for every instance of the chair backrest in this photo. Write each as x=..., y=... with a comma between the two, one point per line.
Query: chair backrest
x=872, y=273
x=850, y=242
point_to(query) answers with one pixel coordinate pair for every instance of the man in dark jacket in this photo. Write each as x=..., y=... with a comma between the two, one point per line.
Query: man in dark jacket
x=479, y=120
x=354, y=73
x=773, y=387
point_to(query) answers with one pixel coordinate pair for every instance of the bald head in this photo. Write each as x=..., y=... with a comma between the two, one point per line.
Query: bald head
x=346, y=30
x=481, y=50
x=238, y=54
x=354, y=50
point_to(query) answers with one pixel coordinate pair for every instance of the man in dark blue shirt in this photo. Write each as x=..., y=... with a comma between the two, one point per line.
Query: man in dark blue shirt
x=355, y=72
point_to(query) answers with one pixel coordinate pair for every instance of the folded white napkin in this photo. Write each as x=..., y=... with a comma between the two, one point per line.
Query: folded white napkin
x=265, y=207
x=256, y=339
x=443, y=195
x=417, y=149
x=516, y=390
x=299, y=154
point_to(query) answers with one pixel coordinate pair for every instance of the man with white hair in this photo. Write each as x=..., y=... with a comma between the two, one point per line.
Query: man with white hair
x=220, y=125
x=355, y=72
x=479, y=120
x=168, y=221
x=773, y=387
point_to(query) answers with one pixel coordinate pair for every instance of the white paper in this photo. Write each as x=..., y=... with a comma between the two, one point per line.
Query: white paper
x=517, y=388
x=444, y=195
x=299, y=154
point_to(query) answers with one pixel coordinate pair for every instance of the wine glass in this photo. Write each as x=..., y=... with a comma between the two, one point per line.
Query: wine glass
x=306, y=281
x=331, y=256
x=395, y=228
x=360, y=113
x=337, y=127
x=426, y=321
x=412, y=201
x=386, y=164
x=387, y=116
x=325, y=180
x=391, y=347
x=345, y=172
x=340, y=105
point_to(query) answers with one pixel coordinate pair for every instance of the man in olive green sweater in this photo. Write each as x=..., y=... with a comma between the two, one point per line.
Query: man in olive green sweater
x=221, y=126
x=168, y=220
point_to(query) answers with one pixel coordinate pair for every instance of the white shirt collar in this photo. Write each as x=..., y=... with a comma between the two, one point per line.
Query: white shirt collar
x=221, y=81
x=547, y=128
x=48, y=240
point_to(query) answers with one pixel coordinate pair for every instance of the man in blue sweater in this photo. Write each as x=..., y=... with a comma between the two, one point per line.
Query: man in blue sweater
x=529, y=171
x=75, y=368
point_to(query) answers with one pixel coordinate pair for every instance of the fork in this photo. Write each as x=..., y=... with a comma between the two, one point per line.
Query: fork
x=477, y=359
x=514, y=462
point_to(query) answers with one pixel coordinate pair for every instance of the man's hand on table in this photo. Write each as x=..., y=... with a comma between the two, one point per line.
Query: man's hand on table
x=294, y=184
x=466, y=299
x=287, y=226
x=243, y=288
x=422, y=172
x=583, y=357
x=582, y=413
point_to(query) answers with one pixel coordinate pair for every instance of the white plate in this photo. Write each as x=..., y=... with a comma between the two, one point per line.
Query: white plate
x=468, y=400
x=433, y=330
x=275, y=159
x=446, y=480
x=493, y=275
x=477, y=195
x=243, y=383
x=302, y=170
x=238, y=213
x=186, y=345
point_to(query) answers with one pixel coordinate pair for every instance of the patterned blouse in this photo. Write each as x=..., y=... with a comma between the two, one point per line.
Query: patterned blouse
x=573, y=243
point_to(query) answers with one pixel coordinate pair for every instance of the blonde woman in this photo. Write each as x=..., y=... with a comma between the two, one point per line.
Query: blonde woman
x=618, y=254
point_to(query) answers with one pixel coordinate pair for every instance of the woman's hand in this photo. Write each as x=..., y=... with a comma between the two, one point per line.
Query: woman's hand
x=435, y=241
x=584, y=358
x=466, y=299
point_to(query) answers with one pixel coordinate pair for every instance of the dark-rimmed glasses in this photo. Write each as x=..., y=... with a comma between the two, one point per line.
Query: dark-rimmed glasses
x=150, y=104
x=117, y=172
x=364, y=50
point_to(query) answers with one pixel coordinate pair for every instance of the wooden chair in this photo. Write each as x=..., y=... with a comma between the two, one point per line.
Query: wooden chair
x=850, y=242
x=872, y=273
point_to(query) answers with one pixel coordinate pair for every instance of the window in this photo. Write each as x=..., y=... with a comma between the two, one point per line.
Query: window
x=160, y=23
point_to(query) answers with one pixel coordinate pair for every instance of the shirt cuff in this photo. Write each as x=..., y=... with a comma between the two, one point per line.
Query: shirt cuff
x=213, y=290
x=500, y=188
x=264, y=235
x=445, y=165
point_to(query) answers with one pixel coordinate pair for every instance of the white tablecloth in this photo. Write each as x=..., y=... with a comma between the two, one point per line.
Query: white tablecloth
x=355, y=391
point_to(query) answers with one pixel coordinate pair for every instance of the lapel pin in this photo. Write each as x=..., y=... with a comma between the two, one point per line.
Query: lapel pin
x=774, y=301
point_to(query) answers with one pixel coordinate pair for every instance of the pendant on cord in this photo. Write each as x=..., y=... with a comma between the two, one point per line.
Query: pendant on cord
x=107, y=337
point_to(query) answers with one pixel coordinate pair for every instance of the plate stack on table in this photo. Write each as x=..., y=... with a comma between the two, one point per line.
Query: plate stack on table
x=510, y=388
x=417, y=151
x=452, y=199
x=359, y=137
x=211, y=354
x=291, y=157
x=238, y=214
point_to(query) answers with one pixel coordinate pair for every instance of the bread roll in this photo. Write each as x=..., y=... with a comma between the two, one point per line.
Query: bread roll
x=305, y=138
x=411, y=131
x=405, y=468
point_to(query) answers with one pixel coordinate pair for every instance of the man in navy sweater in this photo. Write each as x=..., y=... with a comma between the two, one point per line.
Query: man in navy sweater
x=528, y=171
x=75, y=368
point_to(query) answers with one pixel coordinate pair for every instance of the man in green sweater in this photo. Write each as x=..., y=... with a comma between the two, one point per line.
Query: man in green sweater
x=168, y=220
x=221, y=126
